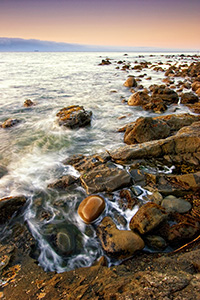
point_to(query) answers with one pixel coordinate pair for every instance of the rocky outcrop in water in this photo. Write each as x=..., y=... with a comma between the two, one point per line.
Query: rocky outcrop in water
x=9, y=123
x=28, y=103
x=74, y=116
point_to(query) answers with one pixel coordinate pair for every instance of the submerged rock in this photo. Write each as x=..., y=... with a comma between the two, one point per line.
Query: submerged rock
x=10, y=205
x=63, y=182
x=74, y=116
x=91, y=208
x=118, y=243
x=3, y=171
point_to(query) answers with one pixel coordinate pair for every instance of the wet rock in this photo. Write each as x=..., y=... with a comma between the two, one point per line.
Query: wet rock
x=148, y=217
x=63, y=182
x=138, y=98
x=66, y=239
x=74, y=116
x=28, y=103
x=173, y=204
x=10, y=205
x=130, y=82
x=105, y=177
x=127, y=199
x=118, y=243
x=146, y=129
x=3, y=171
x=91, y=208
x=156, y=197
x=189, y=98
x=9, y=123
x=198, y=92
x=156, y=242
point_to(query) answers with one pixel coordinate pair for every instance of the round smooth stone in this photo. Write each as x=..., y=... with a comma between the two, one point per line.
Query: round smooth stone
x=91, y=208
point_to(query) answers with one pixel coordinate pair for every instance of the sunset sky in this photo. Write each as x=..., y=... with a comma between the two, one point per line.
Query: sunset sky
x=152, y=23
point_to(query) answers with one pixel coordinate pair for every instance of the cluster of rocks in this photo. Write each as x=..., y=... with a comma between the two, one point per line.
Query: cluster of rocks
x=168, y=216
x=144, y=165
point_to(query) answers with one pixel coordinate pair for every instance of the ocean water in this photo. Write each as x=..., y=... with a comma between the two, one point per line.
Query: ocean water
x=33, y=151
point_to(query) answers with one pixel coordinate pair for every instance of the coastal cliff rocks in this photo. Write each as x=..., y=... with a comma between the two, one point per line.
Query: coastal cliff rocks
x=118, y=243
x=10, y=205
x=147, y=128
x=9, y=123
x=91, y=208
x=74, y=116
x=185, y=141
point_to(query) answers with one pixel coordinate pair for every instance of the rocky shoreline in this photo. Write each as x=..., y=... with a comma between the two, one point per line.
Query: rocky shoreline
x=167, y=218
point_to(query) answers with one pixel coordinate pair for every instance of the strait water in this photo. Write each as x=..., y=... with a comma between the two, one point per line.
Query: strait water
x=33, y=150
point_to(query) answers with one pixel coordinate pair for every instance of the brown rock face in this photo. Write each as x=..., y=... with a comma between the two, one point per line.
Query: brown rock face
x=146, y=129
x=189, y=98
x=130, y=82
x=105, y=177
x=138, y=98
x=74, y=116
x=147, y=218
x=91, y=208
x=118, y=243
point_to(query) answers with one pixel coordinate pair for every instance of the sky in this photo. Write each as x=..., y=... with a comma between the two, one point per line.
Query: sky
x=134, y=23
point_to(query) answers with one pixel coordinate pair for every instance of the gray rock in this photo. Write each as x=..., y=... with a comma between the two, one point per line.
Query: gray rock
x=173, y=204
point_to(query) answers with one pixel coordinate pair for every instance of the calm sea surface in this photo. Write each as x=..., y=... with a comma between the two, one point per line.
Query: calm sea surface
x=33, y=151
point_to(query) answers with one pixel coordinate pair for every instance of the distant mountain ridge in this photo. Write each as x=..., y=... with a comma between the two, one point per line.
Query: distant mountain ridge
x=34, y=45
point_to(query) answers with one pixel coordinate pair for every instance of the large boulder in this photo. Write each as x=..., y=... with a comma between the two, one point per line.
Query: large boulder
x=74, y=116
x=10, y=205
x=91, y=208
x=148, y=217
x=146, y=129
x=118, y=243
